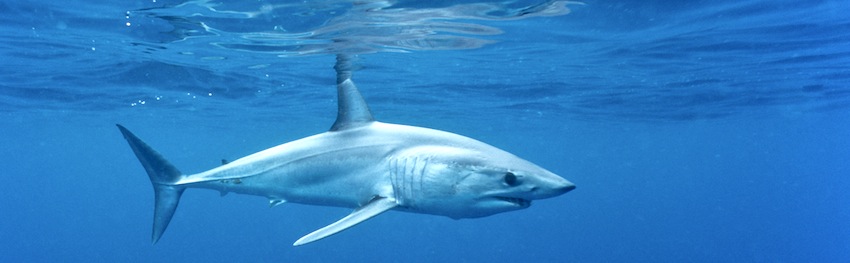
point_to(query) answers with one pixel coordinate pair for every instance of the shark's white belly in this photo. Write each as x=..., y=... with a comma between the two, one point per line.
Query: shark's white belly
x=346, y=168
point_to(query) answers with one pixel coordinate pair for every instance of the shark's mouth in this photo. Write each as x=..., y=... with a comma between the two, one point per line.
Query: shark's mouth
x=517, y=201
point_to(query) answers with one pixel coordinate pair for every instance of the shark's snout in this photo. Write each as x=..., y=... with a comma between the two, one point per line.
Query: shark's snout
x=568, y=186
x=554, y=186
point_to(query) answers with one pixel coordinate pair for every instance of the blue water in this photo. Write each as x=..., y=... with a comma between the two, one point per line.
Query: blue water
x=696, y=131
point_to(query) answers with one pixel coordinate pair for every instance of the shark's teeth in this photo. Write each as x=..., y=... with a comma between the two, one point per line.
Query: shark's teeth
x=517, y=201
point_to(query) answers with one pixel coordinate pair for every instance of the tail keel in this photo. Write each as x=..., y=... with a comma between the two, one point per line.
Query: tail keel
x=164, y=177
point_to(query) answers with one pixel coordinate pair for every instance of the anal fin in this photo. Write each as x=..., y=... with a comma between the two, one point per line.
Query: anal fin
x=375, y=207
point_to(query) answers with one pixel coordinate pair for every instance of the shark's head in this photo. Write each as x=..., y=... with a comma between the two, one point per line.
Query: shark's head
x=462, y=182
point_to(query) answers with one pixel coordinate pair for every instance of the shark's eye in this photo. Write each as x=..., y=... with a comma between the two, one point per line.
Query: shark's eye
x=510, y=179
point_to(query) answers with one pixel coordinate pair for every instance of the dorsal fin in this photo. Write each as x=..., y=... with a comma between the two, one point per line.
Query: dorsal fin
x=352, y=111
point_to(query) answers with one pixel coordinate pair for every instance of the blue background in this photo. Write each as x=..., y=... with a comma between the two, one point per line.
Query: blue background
x=698, y=131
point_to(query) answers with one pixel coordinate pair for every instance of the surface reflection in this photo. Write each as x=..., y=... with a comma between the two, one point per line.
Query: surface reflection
x=336, y=27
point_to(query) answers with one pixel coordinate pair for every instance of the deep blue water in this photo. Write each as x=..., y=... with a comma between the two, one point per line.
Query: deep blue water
x=696, y=131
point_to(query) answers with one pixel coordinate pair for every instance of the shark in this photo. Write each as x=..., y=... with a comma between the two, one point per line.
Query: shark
x=366, y=165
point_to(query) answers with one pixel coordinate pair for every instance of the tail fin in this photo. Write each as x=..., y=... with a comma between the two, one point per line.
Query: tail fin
x=163, y=176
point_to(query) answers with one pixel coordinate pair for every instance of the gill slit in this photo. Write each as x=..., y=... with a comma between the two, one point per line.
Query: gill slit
x=410, y=179
x=397, y=183
x=400, y=181
x=407, y=175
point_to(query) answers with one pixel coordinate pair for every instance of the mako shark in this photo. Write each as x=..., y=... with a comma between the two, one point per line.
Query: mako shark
x=367, y=165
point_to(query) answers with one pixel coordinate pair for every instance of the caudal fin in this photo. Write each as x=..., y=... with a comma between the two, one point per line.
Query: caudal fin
x=164, y=177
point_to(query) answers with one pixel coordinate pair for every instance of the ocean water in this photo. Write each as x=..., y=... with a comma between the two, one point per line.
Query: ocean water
x=696, y=131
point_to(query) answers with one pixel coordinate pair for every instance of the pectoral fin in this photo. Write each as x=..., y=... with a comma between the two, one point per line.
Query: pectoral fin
x=276, y=202
x=376, y=206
